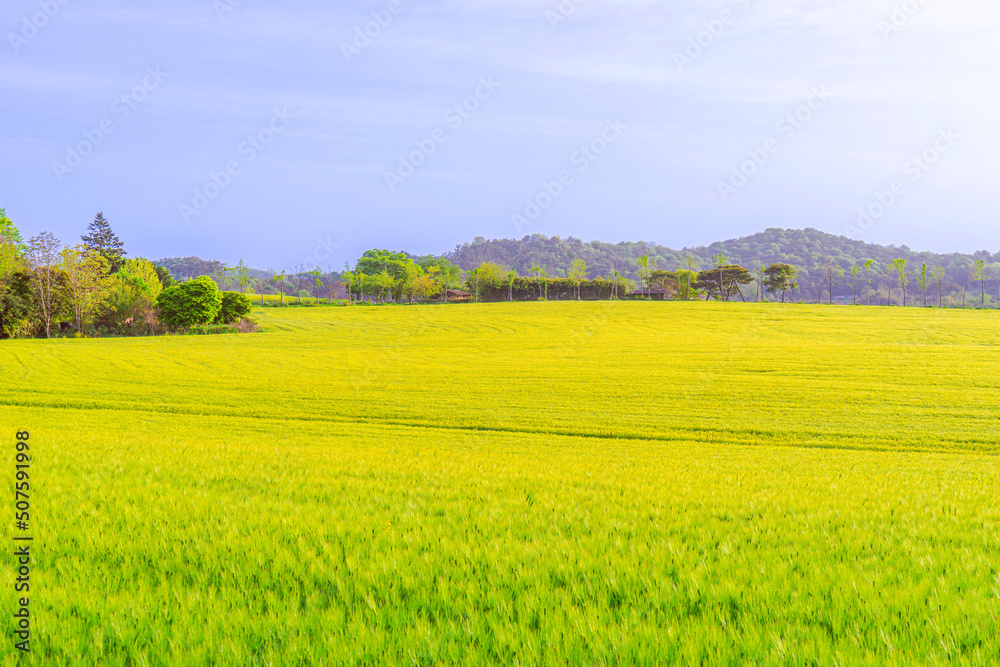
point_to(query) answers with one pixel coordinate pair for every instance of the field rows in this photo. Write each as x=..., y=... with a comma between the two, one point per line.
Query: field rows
x=404, y=486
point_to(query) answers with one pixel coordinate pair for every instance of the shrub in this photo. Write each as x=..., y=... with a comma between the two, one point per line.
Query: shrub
x=125, y=298
x=197, y=301
x=235, y=307
x=247, y=326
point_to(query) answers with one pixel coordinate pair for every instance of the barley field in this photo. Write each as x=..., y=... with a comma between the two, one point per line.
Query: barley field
x=516, y=484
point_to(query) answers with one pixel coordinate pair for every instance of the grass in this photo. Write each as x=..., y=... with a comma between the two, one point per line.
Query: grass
x=537, y=483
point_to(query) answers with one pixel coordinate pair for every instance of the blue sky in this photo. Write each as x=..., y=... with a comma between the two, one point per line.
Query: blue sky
x=233, y=129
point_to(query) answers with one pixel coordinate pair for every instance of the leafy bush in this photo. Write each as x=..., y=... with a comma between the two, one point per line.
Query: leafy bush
x=235, y=307
x=124, y=300
x=195, y=302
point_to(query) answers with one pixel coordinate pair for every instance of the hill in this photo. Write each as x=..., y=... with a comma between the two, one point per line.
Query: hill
x=808, y=249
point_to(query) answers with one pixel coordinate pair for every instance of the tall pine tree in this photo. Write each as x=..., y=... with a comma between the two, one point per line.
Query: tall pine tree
x=104, y=242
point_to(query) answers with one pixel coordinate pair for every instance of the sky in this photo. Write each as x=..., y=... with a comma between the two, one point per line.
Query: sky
x=302, y=133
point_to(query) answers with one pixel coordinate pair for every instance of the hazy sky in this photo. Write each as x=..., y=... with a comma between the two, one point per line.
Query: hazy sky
x=281, y=132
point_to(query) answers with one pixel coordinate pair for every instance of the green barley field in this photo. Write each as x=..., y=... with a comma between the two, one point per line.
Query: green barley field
x=516, y=484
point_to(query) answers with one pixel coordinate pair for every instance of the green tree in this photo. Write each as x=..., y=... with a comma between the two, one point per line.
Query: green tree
x=779, y=278
x=577, y=274
x=233, y=308
x=349, y=277
x=692, y=265
x=761, y=268
x=102, y=240
x=392, y=271
x=11, y=261
x=242, y=274
x=723, y=281
x=855, y=272
x=85, y=272
x=721, y=261
x=868, y=276
x=832, y=271
x=195, y=302
x=317, y=277
x=666, y=281
x=9, y=232
x=43, y=262
x=489, y=276
x=472, y=280
x=979, y=273
x=891, y=272
x=163, y=273
x=904, y=280
x=279, y=280
x=924, y=280
x=643, y=264
x=510, y=277
x=729, y=277
x=541, y=276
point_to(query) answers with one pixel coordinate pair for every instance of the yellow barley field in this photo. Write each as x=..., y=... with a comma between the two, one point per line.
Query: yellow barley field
x=533, y=483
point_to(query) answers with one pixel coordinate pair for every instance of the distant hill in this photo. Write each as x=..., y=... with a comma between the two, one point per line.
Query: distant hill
x=807, y=249
x=185, y=268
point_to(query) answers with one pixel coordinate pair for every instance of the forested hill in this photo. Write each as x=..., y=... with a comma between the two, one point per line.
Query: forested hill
x=808, y=249
x=185, y=268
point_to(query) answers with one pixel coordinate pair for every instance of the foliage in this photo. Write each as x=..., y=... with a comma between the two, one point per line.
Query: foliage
x=194, y=302
x=667, y=281
x=43, y=263
x=17, y=307
x=779, y=278
x=102, y=240
x=145, y=271
x=235, y=307
x=388, y=272
x=808, y=249
x=85, y=272
x=164, y=275
x=9, y=232
x=723, y=281
x=11, y=263
x=186, y=268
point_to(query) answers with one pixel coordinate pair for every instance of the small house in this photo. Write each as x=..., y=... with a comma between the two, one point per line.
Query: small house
x=457, y=296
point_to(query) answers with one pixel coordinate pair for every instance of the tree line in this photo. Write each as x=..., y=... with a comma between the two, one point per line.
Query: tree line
x=94, y=289
x=814, y=254
x=388, y=276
